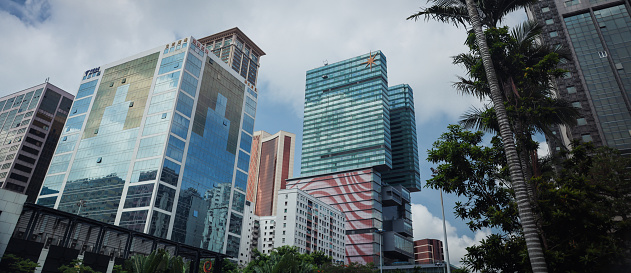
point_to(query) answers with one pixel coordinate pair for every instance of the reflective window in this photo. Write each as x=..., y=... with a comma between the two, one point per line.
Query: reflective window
x=241, y=180
x=581, y=121
x=151, y=146
x=248, y=124
x=170, y=172
x=74, y=124
x=156, y=124
x=67, y=143
x=246, y=141
x=180, y=126
x=250, y=106
x=86, y=89
x=235, y=223
x=164, y=199
x=52, y=184
x=80, y=107
x=244, y=161
x=193, y=65
x=159, y=225
x=145, y=170
x=47, y=202
x=175, y=149
x=171, y=63
x=59, y=163
x=232, y=248
x=189, y=84
x=139, y=196
x=571, y=89
x=166, y=82
x=184, y=104
x=238, y=202
x=161, y=103
x=134, y=220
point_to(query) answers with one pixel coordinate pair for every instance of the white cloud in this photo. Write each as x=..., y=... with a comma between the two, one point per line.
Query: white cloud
x=429, y=226
x=543, y=150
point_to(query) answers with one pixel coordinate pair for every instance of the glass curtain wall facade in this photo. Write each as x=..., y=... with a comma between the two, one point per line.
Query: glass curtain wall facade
x=360, y=154
x=30, y=124
x=405, y=162
x=159, y=143
x=598, y=83
x=346, y=121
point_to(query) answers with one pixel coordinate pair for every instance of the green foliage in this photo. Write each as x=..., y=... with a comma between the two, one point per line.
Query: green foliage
x=353, y=267
x=288, y=259
x=14, y=264
x=584, y=207
x=76, y=266
x=158, y=261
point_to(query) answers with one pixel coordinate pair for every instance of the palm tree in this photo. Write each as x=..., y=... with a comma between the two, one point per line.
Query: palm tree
x=455, y=11
x=535, y=251
x=452, y=11
x=524, y=68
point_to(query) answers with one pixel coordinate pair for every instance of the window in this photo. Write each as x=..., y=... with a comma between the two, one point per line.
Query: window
x=581, y=121
x=586, y=138
x=546, y=9
x=549, y=21
x=554, y=34
x=576, y=104
x=567, y=75
x=571, y=89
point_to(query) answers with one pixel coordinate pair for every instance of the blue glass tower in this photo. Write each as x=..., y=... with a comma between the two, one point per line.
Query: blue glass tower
x=159, y=143
x=347, y=122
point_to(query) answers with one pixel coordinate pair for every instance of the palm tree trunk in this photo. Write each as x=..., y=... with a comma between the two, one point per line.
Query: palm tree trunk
x=535, y=252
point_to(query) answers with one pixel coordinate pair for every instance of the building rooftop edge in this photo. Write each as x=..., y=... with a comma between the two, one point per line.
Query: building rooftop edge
x=333, y=173
x=232, y=30
x=34, y=86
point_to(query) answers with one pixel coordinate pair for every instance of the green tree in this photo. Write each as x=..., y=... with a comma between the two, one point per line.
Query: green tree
x=584, y=206
x=492, y=13
x=158, y=261
x=14, y=264
x=76, y=266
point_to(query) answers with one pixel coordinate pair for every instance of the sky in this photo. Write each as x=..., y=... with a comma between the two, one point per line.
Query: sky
x=59, y=40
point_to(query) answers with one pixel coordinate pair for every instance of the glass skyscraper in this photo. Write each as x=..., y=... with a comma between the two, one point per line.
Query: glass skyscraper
x=360, y=155
x=598, y=82
x=347, y=122
x=159, y=143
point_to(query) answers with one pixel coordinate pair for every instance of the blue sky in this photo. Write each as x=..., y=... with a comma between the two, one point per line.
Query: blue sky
x=61, y=39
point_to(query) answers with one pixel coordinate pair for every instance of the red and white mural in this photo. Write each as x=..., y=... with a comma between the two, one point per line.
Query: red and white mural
x=352, y=193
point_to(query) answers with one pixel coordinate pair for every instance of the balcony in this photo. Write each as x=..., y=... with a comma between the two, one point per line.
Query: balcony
x=403, y=227
x=391, y=196
x=397, y=246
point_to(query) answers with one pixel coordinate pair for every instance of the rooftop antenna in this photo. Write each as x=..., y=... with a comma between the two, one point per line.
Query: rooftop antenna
x=47, y=79
x=326, y=62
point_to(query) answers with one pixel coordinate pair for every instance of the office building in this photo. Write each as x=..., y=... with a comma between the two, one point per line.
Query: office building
x=346, y=122
x=159, y=143
x=234, y=48
x=428, y=251
x=271, y=164
x=360, y=156
x=598, y=81
x=31, y=122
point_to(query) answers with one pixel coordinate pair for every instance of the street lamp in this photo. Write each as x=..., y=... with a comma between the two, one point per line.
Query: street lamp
x=80, y=204
x=380, y=231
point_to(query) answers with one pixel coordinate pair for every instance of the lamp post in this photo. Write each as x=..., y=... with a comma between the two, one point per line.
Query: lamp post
x=80, y=204
x=380, y=232
x=445, y=232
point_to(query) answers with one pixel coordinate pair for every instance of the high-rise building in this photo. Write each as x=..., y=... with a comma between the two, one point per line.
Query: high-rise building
x=360, y=156
x=598, y=81
x=159, y=143
x=31, y=122
x=271, y=164
x=428, y=251
x=405, y=161
x=300, y=220
x=238, y=51
x=347, y=122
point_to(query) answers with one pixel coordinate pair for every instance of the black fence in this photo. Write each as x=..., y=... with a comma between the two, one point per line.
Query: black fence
x=67, y=236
